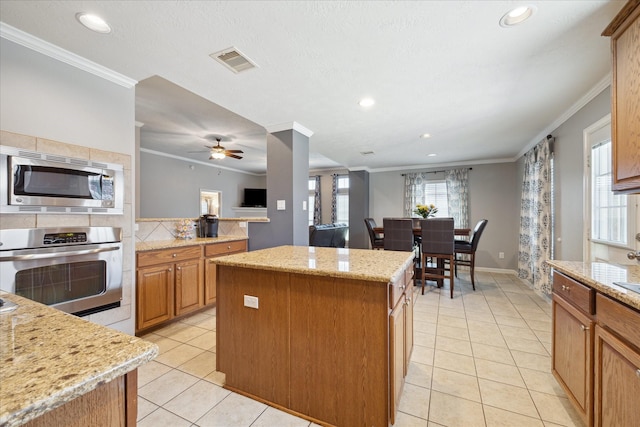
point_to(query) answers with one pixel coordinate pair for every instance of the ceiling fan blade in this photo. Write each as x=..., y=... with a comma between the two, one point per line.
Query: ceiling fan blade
x=233, y=156
x=234, y=151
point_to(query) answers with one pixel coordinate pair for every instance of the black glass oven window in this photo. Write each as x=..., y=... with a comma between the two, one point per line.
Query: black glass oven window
x=57, y=182
x=62, y=282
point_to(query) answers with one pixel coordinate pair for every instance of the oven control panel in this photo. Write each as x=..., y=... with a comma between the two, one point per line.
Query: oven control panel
x=58, y=238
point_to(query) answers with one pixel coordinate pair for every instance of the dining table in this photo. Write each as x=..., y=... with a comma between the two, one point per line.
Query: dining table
x=417, y=232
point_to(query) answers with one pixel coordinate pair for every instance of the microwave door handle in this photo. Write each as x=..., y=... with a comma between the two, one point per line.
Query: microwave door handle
x=58, y=254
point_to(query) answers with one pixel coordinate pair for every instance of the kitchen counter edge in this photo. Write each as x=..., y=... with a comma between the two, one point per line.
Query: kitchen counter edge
x=601, y=276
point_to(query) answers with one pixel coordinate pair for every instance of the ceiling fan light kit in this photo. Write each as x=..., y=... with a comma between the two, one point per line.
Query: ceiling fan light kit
x=218, y=152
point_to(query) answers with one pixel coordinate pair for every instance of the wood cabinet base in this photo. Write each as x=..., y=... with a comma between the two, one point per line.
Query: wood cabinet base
x=114, y=404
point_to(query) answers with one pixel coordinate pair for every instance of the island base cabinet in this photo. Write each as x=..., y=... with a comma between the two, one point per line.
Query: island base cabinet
x=572, y=363
x=317, y=346
x=113, y=404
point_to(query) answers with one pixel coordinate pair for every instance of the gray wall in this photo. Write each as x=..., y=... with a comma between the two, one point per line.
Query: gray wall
x=358, y=209
x=569, y=176
x=288, y=180
x=494, y=194
x=169, y=188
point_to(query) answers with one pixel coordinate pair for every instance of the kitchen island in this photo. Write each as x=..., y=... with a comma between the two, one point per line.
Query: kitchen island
x=323, y=333
x=58, y=369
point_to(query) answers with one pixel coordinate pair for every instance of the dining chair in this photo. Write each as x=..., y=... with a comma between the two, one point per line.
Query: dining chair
x=398, y=234
x=377, y=240
x=463, y=247
x=437, y=244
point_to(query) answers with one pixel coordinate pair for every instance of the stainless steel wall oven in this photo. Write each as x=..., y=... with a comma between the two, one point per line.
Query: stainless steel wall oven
x=76, y=269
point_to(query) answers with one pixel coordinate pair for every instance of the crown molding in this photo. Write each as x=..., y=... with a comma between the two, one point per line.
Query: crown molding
x=435, y=165
x=29, y=41
x=289, y=126
x=184, y=159
x=586, y=98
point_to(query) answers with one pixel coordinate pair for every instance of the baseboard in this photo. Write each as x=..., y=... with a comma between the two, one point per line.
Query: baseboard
x=492, y=270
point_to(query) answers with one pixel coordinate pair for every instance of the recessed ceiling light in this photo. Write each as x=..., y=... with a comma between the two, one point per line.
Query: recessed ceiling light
x=431, y=155
x=517, y=16
x=366, y=102
x=425, y=135
x=93, y=22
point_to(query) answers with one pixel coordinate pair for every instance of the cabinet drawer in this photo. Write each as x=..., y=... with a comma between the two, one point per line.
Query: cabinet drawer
x=405, y=281
x=225, y=248
x=618, y=318
x=574, y=292
x=168, y=255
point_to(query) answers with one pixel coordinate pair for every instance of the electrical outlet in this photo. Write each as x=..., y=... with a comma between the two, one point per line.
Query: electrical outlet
x=250, y=301
x=304, y=205
x=501, y=255
x=242, y=224
x=281, y=205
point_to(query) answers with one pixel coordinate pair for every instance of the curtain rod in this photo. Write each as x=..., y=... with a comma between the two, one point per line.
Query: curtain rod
x=404, y=174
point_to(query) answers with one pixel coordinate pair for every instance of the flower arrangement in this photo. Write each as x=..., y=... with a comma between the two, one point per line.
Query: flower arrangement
x=184, y=229
x=426, y=211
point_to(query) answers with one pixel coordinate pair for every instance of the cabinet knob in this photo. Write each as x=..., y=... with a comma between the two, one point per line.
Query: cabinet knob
x=229, y=247
x=638, y=373
x=175, y=255
x=566, y=288
x=170, y=270
x=178, y=268
x=584, y=328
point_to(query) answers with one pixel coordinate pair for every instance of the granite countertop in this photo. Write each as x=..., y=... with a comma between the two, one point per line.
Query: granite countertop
x=178, y=243
x=600, y=276
x=49, y=357
x=360, y=264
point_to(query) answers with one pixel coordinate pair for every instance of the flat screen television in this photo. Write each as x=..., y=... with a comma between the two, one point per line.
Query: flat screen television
x=255, y=198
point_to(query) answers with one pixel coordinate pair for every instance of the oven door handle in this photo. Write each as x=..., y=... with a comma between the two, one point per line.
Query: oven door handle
x=27, y=257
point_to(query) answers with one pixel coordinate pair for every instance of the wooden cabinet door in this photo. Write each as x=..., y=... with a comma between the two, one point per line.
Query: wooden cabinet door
x=154, y=295
x=625, y=108
x=210, y=281
x=408, y=329
x=617, y=381
x=396, y=356
x=189, y=286
x=572, y=362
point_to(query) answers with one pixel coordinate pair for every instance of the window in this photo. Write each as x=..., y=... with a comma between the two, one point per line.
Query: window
x=342, y=199
x=312, y=199
x=608, y=210
x=435, y=192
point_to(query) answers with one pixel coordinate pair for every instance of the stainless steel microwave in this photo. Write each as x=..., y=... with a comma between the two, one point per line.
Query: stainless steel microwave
x=32, y=182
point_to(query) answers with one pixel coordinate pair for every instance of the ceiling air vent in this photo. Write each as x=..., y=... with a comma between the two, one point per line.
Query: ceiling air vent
x=234, y=60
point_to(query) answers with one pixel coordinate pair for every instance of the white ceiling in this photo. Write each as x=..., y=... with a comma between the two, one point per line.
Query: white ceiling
x=484, y=93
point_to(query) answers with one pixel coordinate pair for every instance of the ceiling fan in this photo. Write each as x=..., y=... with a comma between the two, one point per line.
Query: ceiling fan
x=218, y=152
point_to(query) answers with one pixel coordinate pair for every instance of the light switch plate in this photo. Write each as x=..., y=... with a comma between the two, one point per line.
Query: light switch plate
x=304, y=205
x=242, y=224
x=251, y=301
x=280, y=205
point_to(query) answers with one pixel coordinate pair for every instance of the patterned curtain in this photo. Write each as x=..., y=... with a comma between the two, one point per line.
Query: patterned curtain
x=317, y=205
x=535, y=219
x=458, y=196
x=334, y=198
x=413, y=191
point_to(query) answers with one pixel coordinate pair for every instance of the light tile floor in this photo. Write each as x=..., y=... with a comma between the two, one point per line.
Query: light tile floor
x=479, y=359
